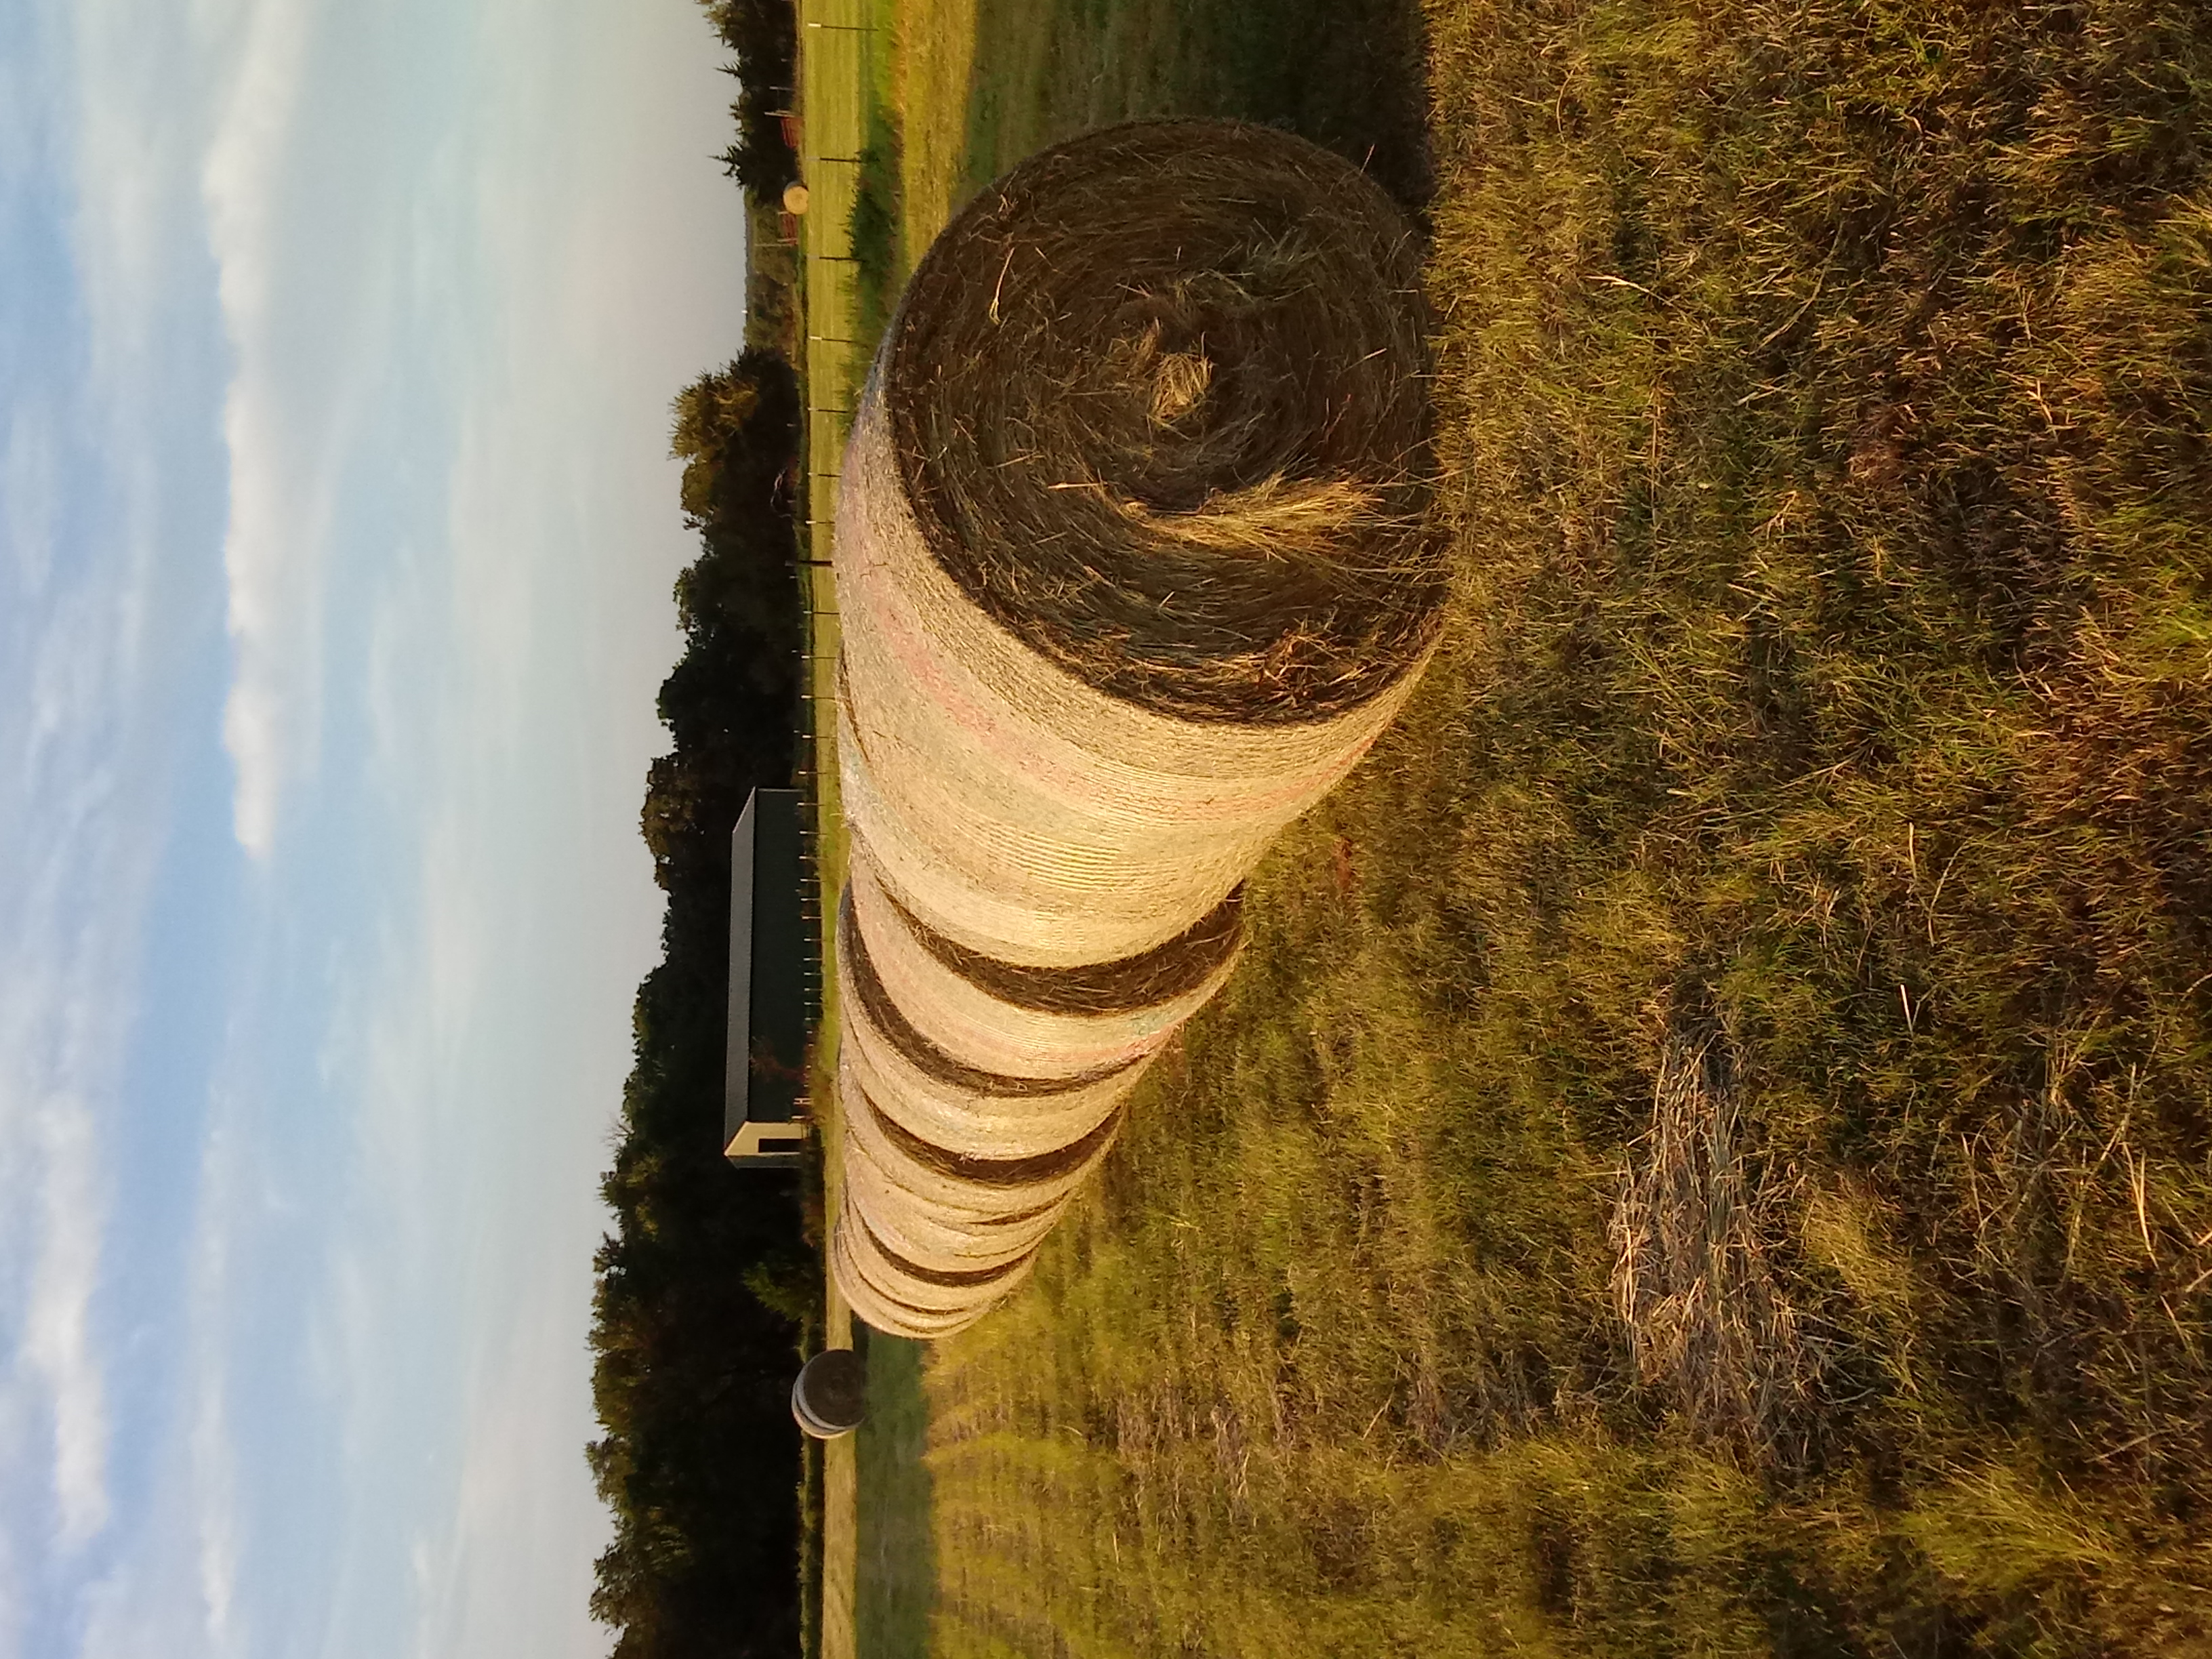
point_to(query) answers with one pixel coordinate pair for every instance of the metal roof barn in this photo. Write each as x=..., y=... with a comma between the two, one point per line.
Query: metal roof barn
x=771, y=976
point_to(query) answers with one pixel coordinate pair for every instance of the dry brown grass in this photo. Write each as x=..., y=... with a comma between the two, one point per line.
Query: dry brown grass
x=1694, y=1232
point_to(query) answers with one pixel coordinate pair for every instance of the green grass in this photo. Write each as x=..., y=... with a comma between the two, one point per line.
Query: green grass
x=852, y=1568
x=896, y=1584
x=874, y=230
x=1347, y=75
x=984, y=83
x=1825, y=395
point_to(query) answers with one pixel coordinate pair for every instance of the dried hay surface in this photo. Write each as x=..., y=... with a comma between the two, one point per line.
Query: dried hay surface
x=922, y=1065
x=1188, y=967
x=896, y=1298
x=937, y=1237
x=1158, y=397
x=1063, y=1022
x=1693, y=1230
x=1015, y=811
x=1133, y=560
x=958, y=1181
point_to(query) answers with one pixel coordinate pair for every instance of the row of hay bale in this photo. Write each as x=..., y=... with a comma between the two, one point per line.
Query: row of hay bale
x=1133, y=566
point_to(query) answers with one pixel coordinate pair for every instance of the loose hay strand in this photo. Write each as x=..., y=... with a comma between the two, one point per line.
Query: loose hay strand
x=1692, y=1284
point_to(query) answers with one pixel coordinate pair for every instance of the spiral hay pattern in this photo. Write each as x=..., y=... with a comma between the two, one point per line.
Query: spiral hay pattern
x=1133, y=566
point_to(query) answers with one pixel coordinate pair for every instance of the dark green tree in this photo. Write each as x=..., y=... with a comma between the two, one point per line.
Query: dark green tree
x=763, y=34
x=693, y=1337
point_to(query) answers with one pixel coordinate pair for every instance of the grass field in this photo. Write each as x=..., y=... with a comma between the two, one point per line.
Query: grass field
x=1707, y=1152
x=836, y=73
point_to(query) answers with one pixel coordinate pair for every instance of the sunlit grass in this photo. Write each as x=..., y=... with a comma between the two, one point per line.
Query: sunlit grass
x=1825, y=394
x=934, y=59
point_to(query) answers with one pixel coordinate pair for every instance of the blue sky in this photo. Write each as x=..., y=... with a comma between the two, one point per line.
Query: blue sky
x=337, y=528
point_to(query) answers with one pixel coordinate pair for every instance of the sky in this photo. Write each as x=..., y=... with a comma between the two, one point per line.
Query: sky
x=336, y=533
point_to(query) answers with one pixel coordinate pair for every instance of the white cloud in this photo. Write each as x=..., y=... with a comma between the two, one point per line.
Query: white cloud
x=56, y=1211
x=57, y=1337
x=92, y=635
x=269, y=561
x=68, y=656
x=74, y=872
x=211, y=1449
x=271, y=555
x=176, y=1594
x=514, y=665
x=134, y=140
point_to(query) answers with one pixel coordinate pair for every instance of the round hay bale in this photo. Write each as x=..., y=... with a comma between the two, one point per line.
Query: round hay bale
x=1012, y=1019
x=1132, y=564
x=971, y=1122
x=903, y=1299
x=885, y=1311
x=1132, y=560
x=936, y=1225
x=1159, y=397
x=829, y=1394
x=795, y=198
x=960, y=1184
x=934, y=1094
x=937, y=1236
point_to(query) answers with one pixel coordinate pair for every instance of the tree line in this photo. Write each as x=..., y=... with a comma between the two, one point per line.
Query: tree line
x=763, y=36
x=705, y=1282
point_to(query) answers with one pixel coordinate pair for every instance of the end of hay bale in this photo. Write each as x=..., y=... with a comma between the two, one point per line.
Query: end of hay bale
x=1159, y=402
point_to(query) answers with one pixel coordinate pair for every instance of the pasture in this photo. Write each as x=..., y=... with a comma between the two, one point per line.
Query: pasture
x=1707, y=1150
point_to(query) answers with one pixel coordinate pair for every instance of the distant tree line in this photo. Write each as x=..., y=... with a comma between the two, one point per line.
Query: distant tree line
x=704, y=1281
x=764, y=36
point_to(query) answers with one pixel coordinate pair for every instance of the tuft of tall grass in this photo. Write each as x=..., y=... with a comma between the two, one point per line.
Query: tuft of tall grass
x=880, y=262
